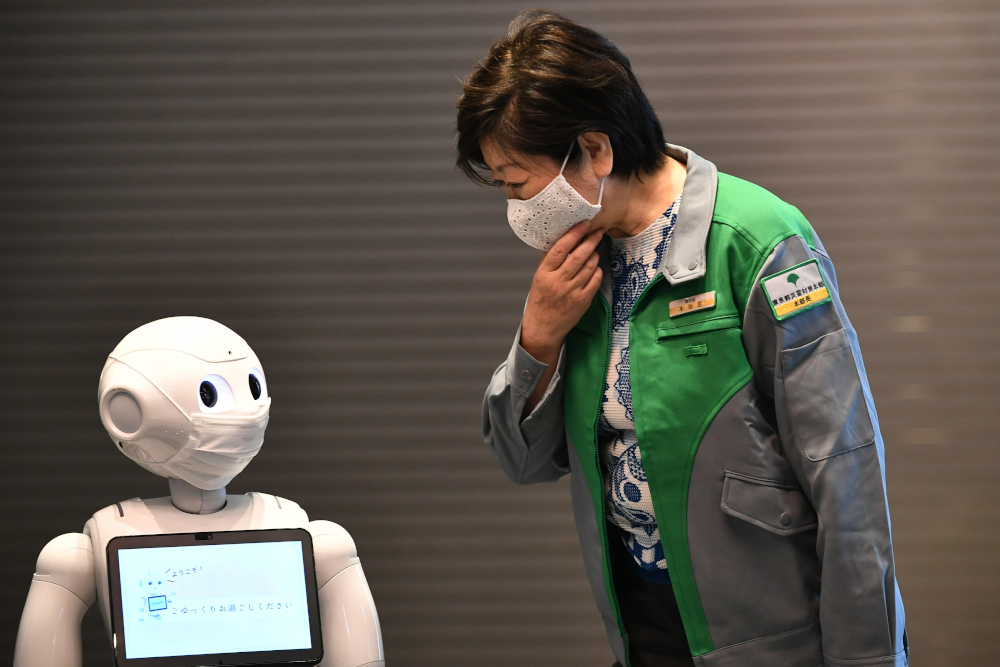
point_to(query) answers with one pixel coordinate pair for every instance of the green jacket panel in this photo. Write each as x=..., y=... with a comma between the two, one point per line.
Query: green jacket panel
x=684, y=369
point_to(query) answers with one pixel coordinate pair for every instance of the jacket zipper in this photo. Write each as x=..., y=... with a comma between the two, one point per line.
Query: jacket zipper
x=600, y=476
x=600, y=469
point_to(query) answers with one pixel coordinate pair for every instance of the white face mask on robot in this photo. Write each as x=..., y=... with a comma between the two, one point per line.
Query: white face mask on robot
x=185, y=398
x=218, y=449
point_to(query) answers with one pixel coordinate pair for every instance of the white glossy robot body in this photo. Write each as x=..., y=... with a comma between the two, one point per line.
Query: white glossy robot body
x=71, y=572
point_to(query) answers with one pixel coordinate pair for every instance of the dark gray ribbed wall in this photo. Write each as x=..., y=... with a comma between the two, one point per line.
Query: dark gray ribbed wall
x=286, y=168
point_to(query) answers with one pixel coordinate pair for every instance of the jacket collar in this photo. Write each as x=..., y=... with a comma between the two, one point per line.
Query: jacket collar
x=685, y=258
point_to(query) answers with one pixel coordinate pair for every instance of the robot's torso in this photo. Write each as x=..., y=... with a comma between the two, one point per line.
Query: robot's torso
x=72, y=570
x=157, y=516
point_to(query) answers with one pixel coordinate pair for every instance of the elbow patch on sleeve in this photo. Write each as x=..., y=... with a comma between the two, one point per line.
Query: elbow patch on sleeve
x=826, y=398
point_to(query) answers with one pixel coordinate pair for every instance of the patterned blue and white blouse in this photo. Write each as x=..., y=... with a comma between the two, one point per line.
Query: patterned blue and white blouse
x=634, y=261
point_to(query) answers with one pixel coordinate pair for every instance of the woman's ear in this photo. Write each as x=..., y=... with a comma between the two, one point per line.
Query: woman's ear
x=597, y=151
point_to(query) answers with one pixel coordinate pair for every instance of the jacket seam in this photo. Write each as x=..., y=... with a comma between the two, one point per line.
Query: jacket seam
x=525, y=451
x=813, y=342
x=763, y=252
x=780, y=532
x=700, y=434
x=763, y=525
x=757, y=639
x=663, y=333
x=762, y=481
x=762, y=249
x=797, y=413
x=863, y=661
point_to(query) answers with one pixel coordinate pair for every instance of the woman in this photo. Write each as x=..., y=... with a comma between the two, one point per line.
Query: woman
x=684, y=354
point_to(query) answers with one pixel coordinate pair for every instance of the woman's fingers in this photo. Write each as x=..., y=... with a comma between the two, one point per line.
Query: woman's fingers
x=564, y=283
x=585, y=272
x=590, y=289
x=576, y=260
x=557, y=254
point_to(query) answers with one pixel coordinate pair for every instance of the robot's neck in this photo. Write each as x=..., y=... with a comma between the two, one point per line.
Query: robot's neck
x=191, y=499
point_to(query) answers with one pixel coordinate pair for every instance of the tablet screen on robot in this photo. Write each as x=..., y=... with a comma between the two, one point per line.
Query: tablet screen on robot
x=225, y=598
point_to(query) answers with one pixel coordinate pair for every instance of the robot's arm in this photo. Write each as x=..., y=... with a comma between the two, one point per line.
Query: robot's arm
x=351, y=633
x=62, y=590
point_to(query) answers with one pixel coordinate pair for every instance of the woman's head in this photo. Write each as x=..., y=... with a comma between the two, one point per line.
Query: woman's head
x=546, y=83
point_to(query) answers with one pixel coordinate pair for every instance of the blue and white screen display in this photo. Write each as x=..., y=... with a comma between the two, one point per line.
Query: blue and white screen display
x=219, y=598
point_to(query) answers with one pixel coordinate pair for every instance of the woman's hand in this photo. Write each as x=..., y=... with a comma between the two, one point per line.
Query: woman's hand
x=564, y=284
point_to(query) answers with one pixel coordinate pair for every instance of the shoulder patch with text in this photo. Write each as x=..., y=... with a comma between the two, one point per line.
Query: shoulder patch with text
x=796, y=289
x=692, y=303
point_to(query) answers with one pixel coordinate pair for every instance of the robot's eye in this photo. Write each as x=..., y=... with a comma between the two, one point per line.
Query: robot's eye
x=209, y=396
x=258, y=386
x=215, y=394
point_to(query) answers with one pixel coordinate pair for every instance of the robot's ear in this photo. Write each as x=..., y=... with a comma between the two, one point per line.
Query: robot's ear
x=129, y=404
x=124, y=412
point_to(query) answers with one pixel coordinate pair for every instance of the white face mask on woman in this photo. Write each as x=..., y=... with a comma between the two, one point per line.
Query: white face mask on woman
x=543, y=219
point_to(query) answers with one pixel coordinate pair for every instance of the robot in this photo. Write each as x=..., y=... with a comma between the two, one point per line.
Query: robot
x=186, y=399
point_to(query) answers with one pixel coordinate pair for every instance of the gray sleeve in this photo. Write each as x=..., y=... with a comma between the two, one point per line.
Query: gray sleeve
x=809, y=366
x=533, y=449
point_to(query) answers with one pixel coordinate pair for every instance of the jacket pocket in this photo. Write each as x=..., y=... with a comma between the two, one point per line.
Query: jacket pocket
x=825, y=398
x=776, y=507
x=704, y=326
x=700, y=353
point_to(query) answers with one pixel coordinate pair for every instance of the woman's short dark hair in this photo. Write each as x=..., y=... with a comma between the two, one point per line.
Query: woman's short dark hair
x=544, y=84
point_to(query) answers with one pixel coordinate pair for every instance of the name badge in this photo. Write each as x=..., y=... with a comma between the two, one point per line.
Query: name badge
x=796, y=290
x=692, y=304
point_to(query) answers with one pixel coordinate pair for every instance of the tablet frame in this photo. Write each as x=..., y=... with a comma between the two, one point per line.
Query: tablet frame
x=309, y=656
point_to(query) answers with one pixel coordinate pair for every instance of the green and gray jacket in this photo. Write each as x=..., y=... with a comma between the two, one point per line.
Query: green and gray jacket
x=758, y=436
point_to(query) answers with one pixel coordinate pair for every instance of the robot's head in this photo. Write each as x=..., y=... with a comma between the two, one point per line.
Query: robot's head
x=185, y=397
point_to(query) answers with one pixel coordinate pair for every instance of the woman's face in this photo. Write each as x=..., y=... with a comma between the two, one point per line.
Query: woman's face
x=628, y=205
x=523, y=176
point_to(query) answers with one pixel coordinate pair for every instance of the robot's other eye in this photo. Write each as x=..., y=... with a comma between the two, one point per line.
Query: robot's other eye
x=209, y=396
x=258, y=386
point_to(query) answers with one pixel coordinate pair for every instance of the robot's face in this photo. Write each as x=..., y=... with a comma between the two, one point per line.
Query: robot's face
x=216, y=394
x=185, y=397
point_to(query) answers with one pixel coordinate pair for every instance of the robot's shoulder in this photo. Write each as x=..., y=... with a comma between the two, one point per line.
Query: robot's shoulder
x=131, y=508
x=269, y=511
x=333, y=548
x=68, y=561
x=126, y=517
